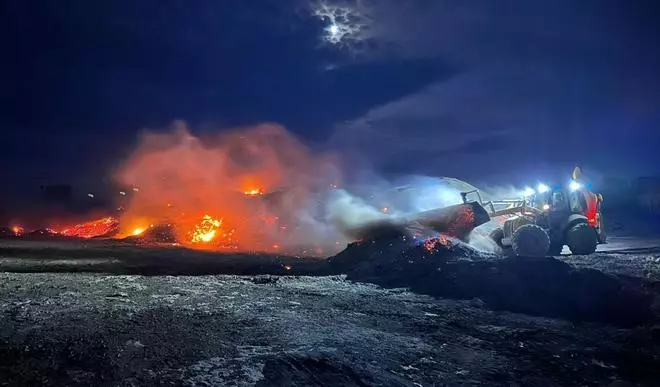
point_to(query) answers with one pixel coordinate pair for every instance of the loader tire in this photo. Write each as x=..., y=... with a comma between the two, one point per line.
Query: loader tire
x=582, y=239
x=497, y=235
x=530, y=240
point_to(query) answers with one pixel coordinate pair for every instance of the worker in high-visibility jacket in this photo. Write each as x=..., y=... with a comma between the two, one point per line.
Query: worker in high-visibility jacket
x=593, y=205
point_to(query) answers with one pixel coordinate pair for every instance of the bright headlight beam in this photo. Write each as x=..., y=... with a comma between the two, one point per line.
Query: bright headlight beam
x=542, y=188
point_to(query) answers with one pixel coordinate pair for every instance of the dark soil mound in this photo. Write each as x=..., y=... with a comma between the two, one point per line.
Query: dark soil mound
x=45, y=234
x=156, y=234
x=6, y=232
x=535, y=286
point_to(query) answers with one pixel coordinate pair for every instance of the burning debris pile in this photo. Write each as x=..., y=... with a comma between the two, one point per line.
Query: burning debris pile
x=254, y=190
x=103, y=227
x=96, y=228
x=215, y=191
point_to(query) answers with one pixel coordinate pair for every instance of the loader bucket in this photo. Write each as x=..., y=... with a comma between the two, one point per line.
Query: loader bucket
x=457, y=220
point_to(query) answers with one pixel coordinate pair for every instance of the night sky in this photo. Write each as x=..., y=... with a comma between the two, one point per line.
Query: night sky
x=480, y=90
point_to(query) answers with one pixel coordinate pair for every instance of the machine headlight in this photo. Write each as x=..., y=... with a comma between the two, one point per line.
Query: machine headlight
x=546, y=207
x=542, y=188
x=574, y=186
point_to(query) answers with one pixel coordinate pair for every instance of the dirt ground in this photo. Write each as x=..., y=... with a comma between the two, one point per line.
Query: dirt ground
x=102, y=313
x=91, y=329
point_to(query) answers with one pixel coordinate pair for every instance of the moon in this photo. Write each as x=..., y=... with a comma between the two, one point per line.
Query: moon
x=345, y=24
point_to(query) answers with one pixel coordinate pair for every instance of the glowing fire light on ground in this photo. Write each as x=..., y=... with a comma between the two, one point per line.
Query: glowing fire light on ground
x=138, y=231
x=253, y=192
x=18, y=230
x=206, y=230
x=432, y=245
x=91, y=229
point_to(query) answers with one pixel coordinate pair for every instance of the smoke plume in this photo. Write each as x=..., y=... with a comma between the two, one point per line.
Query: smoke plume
x=261, y=189
x=252, y=186
x=352, y=216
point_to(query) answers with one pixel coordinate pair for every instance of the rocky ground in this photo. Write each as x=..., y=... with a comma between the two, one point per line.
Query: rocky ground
x=107, y=314
x=90, y=329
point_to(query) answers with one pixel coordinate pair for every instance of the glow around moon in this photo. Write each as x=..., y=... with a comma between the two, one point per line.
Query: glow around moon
x=345, y=25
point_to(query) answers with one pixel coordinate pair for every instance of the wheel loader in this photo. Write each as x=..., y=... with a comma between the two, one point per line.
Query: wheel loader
x=545, y=220
x=539, y=223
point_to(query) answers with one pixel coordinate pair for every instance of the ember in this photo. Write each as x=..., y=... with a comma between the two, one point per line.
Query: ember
x=464, y=220
x=103, y=226
x=432, y=245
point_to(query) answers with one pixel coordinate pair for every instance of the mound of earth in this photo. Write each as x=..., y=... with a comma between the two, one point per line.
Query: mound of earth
x=156, y=234
x=536, y=286
x=6, y=232
x=45, y=234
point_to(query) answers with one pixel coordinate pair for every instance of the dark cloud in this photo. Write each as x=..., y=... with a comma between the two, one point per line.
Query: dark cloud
x=442, y=86
x=539, y=83
x=81, y=78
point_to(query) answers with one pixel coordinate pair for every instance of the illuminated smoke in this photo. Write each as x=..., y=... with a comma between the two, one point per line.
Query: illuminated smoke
x=351, y=214
x=357, y=216
x=246, y=189
x=260, y=189
x=389, y=206
x=480, y=240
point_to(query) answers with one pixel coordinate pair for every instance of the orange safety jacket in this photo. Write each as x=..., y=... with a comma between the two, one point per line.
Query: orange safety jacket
x=593, y=207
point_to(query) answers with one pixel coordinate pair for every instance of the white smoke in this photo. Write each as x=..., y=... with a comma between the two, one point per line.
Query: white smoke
x=348, y=212
x=502, y=192
x=366, y=209
x=480, y=240
x=383, y=204
x=353, y=216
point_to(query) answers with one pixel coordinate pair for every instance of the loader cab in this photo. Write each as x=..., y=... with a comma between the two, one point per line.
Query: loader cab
x=555, y=206
x=560, y=204
x=560, y=201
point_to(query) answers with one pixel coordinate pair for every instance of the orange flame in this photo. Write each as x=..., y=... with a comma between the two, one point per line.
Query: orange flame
x=90, y=229
x=206, y=230
x=182, y=177
x=253, y=192
x=17, y=230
